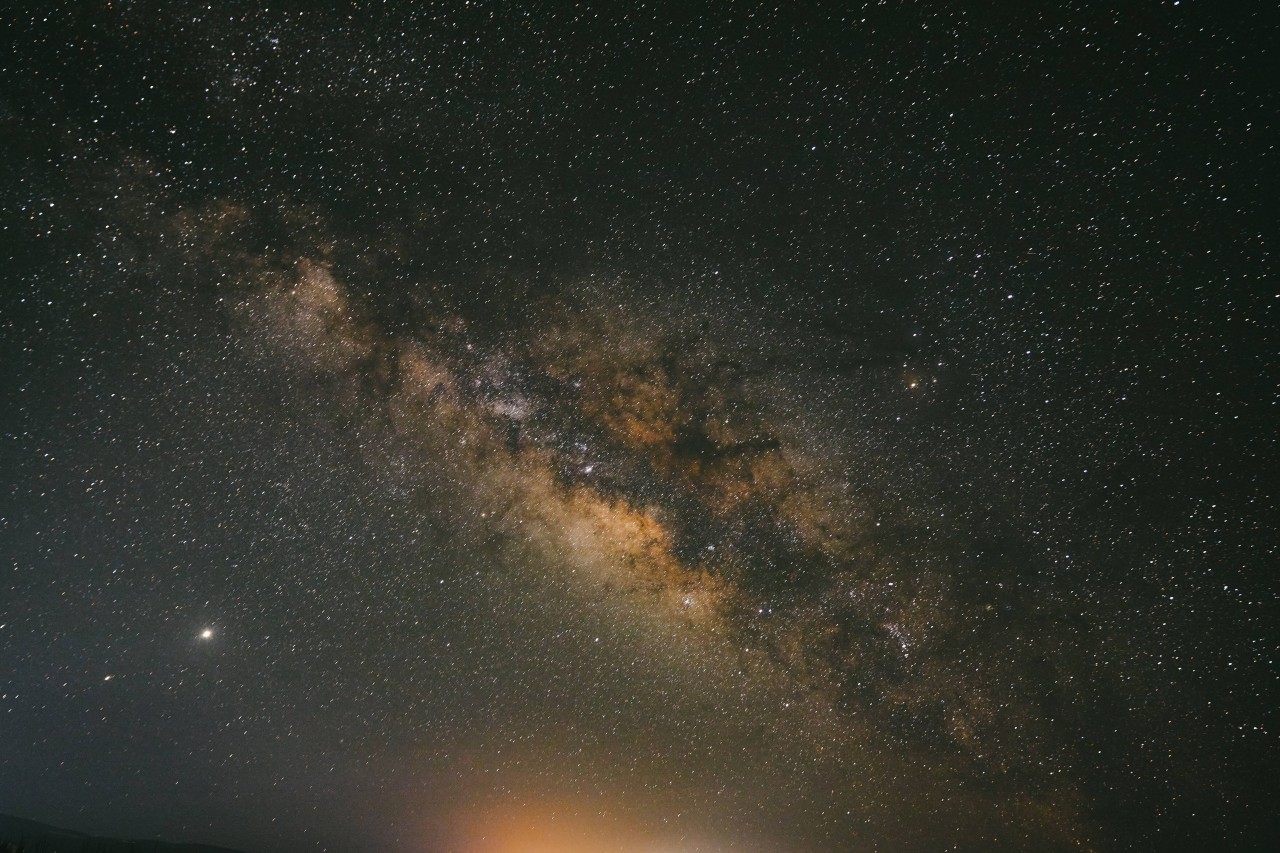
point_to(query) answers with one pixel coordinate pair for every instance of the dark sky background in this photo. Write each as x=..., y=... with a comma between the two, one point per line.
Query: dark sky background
x=542, y=428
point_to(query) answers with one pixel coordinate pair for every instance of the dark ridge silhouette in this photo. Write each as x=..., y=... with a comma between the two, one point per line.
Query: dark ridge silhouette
x=19, y=835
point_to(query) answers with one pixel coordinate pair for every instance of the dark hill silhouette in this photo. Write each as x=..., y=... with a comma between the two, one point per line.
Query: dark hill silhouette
x=29, y=836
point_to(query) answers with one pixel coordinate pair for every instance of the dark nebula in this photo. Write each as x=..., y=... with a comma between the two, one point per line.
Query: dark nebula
x=500, y=429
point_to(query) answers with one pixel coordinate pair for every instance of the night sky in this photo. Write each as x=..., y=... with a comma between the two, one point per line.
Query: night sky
x=500, y=427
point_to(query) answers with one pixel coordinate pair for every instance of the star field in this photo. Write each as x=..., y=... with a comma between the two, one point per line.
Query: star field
x=498, y=429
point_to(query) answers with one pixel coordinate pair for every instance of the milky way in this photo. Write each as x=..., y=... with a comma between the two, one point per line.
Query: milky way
x=503, y=431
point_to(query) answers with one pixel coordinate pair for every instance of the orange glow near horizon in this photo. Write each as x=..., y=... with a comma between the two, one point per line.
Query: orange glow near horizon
x=547, y=830
x=566, y=828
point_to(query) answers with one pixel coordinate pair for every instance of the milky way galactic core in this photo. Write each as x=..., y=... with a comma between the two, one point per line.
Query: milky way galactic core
x=487, y=429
